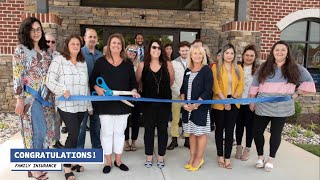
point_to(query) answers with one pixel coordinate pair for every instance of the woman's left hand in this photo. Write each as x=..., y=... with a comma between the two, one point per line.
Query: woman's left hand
x=90, y=112
x=135, y=94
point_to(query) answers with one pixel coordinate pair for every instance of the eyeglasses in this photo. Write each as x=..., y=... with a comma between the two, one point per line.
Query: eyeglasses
x=38, y=30
x=132, y=50
x=156, y=47
x=53, y=42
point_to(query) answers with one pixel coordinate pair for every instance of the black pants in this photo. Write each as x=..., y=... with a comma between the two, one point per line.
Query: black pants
x=133, y=121
x=245, y=119
x=156, y=116
x=72, y=122
x=225, y=120
x=259, y=125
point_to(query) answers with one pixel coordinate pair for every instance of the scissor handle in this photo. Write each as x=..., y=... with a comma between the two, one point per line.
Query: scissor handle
x=100, y=82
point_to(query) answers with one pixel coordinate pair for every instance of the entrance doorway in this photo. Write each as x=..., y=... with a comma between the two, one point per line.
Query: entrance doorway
x=165, y=35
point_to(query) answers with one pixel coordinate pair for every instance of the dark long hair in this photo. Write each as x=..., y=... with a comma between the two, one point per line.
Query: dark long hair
x=66, y=53
x=289, y=69
x=254, y=64
x=24, y=34
x=171, y=56
x=147, y=55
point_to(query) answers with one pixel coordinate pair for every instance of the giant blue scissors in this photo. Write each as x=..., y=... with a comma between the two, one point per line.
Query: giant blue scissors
x=108, y=92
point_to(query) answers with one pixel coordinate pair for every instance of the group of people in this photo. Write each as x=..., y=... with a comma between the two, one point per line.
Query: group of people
x=41, y=74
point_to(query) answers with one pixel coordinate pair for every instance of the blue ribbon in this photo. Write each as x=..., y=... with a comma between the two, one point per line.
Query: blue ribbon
x=221, y=101
x=36, y=95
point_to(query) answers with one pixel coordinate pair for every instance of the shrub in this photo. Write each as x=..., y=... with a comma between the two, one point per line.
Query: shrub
x=293, y=133
x=313, y=126
x=308, y=133
x=297, y=114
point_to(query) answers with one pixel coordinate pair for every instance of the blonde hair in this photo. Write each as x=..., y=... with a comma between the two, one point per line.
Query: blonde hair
x=135, y=61
x=207, y=49
x=193, y=48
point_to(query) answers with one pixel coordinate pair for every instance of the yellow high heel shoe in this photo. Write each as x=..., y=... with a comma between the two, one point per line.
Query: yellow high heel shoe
x=193, y=169
x=187, y=166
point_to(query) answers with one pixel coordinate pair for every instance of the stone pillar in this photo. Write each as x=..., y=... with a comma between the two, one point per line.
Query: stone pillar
x=241, y=34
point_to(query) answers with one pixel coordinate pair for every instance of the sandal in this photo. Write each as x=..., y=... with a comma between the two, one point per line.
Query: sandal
x=268, y=167
x=133, y=147
x=77, y=168
x=160, y=164
x=228, y=165
x=221, y=163
x=43, y=176
x=69, y=176
x=245, y=155
x=148, y=164
x=260, y=163
x=238, y=152
x=127, y=146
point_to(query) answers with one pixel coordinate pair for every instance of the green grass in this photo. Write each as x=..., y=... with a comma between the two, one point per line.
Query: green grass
x=314, y=149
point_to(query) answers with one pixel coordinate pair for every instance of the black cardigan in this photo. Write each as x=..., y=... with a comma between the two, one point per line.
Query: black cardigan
x=120, y=78
x=201, y=87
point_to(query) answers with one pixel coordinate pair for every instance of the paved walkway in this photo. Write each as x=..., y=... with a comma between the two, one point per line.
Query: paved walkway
x=292, y=163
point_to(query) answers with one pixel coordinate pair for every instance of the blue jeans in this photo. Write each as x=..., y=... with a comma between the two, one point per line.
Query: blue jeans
x=39, y=125
x=94, y=131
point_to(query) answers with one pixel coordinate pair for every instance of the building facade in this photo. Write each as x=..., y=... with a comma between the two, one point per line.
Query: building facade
x=215, y=22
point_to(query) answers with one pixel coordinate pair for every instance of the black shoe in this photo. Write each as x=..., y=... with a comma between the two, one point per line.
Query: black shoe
x=64, y=130
x=173, y=144
x=186, y=142
x=87, y=128
x=122, y=166
x=106, y=169
x=58, y=145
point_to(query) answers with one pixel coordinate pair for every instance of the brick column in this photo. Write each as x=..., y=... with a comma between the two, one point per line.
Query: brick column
x=240, y=34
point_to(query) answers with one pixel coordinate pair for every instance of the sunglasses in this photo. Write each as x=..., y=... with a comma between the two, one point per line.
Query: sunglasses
x=156, y=47
x=53, y=42
x=132, y=50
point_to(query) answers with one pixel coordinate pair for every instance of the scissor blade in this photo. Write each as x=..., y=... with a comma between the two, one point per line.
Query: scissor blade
x=128, y=103
x=121, y=93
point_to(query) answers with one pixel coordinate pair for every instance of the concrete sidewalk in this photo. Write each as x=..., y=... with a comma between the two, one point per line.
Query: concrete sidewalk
x=292, y=163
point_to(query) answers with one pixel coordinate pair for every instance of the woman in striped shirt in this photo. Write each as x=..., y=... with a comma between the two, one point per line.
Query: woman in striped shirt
x=197, y=84
x=278, y=76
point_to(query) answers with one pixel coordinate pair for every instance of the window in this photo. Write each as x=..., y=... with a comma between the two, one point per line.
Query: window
x=303, y=38
x=191, y=5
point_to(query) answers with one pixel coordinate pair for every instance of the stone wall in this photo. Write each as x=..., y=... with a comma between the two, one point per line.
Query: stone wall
x=310, y=103
x=214, y=14
x=7, y=101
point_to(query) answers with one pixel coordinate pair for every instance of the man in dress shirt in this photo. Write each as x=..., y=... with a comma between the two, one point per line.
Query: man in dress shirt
x=179, y=66
x=139, y=42
x=91, y=54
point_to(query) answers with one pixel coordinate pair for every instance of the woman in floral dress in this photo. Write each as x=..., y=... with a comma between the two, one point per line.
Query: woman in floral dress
x=30, y=64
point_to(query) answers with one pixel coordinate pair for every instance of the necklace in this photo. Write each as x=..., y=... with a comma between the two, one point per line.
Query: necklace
x=157, y=82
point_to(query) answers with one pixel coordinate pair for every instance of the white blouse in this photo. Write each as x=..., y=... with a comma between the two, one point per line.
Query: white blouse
x=63, y=75
x=248, y=78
